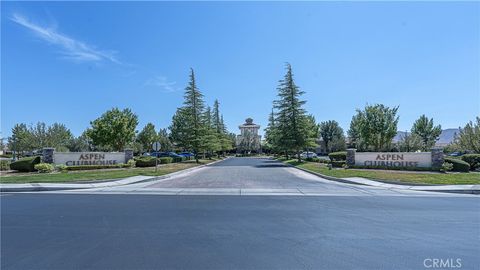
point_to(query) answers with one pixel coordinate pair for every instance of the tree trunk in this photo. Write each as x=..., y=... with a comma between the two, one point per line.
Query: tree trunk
x=298, y=156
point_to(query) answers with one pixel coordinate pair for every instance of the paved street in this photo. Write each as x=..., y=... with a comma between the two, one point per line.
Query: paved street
x=341, y=227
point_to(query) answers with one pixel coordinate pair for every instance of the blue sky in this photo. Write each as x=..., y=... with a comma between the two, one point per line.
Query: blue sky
x=69, y=62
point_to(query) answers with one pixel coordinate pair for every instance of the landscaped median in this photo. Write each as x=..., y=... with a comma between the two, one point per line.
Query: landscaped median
x=103, y=174
x=394, y=176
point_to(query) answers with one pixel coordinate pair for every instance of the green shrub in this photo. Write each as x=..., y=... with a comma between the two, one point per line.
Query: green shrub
x=178, y=159
x=473, y=160
x=458, y=165
x=338, y=156
x=44, y=167
x=446, y=167
x=145, y=161
x=61, y=167
x=25, y=164
x=4, y=165
x=130, y=163
x=338, y=164
x=165, y=160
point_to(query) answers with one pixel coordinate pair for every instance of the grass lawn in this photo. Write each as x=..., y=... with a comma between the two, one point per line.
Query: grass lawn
x=391, y=175
x=90, y=175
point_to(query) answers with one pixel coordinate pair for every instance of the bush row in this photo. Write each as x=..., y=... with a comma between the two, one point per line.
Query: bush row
x=150, y=161
x=473, y=160
x=338, y=156
x=458, y=165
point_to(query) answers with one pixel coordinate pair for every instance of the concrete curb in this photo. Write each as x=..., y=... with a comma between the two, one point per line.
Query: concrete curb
x=69, y=186
x=464, y=189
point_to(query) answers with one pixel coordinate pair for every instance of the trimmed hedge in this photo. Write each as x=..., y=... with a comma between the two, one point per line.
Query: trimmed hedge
x=473, y=160
x=338, y=164
x=145, y=161
x=338, y=156
x=165, y=160
x=458, y=165
x=150, y=161
x=25, y=164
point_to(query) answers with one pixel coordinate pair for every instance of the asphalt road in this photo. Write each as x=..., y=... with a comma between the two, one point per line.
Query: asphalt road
x=341, y=227
x=55, y=231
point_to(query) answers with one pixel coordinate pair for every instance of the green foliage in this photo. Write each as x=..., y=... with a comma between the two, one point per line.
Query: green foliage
x=165, y=160
x=39, y=136
x=468, y=138
x=4, y=165
x=80, y=144
x=409, y=142
x=145, y=161
x=446, y=167
x=44, y=167
x=374, y=127
x=354, y=133
x=338, y=156
x=164, y=140
x=473, y=160
x=458, y=165
x=61, y=167
x=25, y=164
x=337, y=163
x=131, y=163
x=147, y=137
x=291, y=120
x=114, y=129
x=426, y=131
x=332, y=136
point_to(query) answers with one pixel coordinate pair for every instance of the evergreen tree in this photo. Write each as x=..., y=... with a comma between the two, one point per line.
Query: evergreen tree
x=211, y=141
x=292, y=123
x=217, y=122
x=428, y=133
x=226, y=143
x=164, y=140
x=179, y=130
x=271, y=136
x=193, y=107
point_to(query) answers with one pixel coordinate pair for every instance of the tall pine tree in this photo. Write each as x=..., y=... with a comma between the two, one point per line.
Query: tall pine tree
x=292, y=125
x=194, y=107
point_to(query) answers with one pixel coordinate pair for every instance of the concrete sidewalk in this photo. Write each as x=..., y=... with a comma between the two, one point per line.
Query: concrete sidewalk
x=466, y=189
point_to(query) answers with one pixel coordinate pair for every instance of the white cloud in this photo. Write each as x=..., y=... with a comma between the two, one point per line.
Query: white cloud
x=72, y=49
x=163, y=83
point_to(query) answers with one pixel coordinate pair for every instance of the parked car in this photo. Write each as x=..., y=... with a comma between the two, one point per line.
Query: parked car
x=455, y=154
x=187, y=154
x=308, y=155
x=165, y=154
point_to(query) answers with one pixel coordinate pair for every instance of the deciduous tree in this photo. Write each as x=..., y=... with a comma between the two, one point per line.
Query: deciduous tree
x=114, y=129
x=427, y=131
